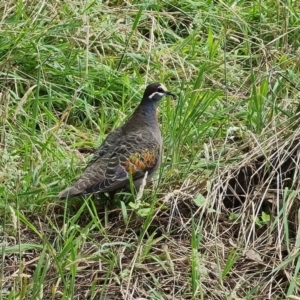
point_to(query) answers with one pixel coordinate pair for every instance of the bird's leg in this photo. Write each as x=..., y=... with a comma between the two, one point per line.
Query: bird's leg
x=107, y=202
x=112, y=195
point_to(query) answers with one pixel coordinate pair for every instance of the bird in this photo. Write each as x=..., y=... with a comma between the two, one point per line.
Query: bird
x=128, y=154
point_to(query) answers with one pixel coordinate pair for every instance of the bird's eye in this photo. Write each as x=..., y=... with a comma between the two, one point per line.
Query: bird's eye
x=160, y=90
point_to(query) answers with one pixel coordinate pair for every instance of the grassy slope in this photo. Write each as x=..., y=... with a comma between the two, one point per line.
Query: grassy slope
x=71, y=72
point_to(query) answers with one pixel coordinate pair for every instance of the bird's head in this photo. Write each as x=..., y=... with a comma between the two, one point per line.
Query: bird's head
x=154, y=92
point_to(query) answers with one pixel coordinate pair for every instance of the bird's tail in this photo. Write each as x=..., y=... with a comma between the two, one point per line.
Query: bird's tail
x=70, y=192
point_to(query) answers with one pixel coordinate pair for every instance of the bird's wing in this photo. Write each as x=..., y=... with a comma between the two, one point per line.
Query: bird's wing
x=131, y=159
x=113, y=167
x=108, y=145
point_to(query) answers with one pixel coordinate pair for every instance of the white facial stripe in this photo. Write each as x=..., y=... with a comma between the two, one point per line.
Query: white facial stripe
x=163, y=87
x=156, y=93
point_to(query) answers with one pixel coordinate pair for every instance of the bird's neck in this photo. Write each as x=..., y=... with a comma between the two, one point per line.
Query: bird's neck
x=147, y=113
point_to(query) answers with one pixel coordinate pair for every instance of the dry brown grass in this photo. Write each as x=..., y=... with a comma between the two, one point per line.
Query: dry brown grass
x=236, y=256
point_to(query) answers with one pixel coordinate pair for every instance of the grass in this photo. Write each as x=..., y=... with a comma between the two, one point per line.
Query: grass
x=73, y=71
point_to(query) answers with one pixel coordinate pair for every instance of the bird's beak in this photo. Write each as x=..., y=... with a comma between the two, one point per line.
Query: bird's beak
x=170, y=94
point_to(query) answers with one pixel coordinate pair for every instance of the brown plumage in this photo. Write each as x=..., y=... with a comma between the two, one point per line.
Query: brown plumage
x=127, y=152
